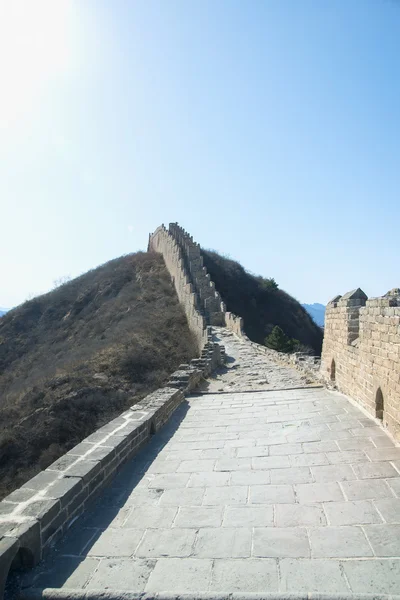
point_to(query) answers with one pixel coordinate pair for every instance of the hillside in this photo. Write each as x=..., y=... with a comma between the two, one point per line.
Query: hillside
x=72, y=359
x=261, y=303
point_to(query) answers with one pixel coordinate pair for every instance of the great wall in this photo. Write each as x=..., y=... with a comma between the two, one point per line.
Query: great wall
x=251, y=474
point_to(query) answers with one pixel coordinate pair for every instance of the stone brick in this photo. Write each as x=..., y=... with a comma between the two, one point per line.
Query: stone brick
x=276, y=542
x=333, y=473
x=243, y=576
x=223, y=543
x=308, y=493
x=153, y=517
x=41, y=481
x=352, y=512
x=43, y=510
x=167, y=542
x=374, y=470
x=123, y=574
x=383, y=578
x=196, y=517
x=373, y=489
x=300, y=576
x=341, y=542
x=65, y=489
x=291, y=475
x=116, y=543
x=271, y=494
x=183, y=496
x=249, y=516
x=183, y=574
x=389, y=508
x=384, y=539
x=297, y=515
x=225, y=495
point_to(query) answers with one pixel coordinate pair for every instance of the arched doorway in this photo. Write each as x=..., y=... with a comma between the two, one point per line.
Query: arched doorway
x=333, y=371
x=379, y=404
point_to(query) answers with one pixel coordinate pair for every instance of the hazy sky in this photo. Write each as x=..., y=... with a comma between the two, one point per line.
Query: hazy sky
x=269, y=129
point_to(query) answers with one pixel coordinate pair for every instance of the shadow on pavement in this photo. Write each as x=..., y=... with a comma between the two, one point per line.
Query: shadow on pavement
x=69, y=556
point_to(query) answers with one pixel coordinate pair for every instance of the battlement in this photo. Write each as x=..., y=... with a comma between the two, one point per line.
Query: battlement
x=361, y=352
x=196, y=292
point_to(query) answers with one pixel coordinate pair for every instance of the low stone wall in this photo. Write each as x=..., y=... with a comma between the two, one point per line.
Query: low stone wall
x=234, y=323
x=36, y=515
x=361, y=352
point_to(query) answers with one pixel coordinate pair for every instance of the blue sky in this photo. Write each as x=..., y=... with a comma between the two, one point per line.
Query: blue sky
x=268, y=129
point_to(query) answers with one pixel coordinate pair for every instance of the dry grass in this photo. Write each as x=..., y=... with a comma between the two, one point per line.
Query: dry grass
x=74, y=358
x=261, y=303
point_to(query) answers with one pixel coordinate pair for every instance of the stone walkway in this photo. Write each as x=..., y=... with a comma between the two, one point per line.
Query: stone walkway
x=247, y=369
x=292, y=491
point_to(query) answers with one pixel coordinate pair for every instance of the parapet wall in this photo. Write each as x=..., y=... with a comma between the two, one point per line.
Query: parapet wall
x=361, y=352
x=37, y=514
x=234, y=323
x=202, y=303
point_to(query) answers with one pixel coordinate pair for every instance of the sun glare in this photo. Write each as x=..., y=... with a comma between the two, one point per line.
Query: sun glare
x=34, y=47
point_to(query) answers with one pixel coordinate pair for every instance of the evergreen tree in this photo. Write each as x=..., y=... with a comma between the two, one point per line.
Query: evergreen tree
x=278, y=340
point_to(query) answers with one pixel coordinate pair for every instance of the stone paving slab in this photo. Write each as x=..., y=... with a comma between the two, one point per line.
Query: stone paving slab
x=307, y=515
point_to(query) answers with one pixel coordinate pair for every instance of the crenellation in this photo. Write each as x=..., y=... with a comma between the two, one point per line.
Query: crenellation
x=186, y=263
x=361, y=354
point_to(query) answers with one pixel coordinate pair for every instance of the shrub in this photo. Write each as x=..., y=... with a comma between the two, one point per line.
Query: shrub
x=278, y=340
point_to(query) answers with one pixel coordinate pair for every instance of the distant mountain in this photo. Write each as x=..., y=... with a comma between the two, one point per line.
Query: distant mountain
x=317, y=312
x=3, y=310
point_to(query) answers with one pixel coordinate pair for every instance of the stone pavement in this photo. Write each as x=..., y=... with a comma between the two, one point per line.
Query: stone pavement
x=247, y=369
x=292, y=491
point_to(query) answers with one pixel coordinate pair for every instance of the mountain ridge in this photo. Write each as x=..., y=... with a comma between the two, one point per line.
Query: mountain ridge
x=317, y=312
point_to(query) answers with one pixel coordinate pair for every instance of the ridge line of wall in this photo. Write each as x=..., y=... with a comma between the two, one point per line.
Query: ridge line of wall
x=202, y=303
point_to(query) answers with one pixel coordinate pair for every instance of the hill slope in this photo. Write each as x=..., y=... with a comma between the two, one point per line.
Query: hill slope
x=72, y=359
x=261, y=304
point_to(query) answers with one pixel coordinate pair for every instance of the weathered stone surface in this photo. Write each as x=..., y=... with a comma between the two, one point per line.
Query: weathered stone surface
x=171, y=522
x=305, y=576
x=331, y=542
x=40, y=481
x=379, y=577
x=116, y=543
x=299, y=515
x=223, y=543
x=281, y=542
x=166, y=542
x=180, y=574
x=247, y=576
x=352, y=513
x=249, y=516
x=308, y=493
x=359, y=354
x=199, y=516
x=384, y=539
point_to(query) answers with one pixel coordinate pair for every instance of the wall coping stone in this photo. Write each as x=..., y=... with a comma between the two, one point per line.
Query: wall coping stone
x=101, y=594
